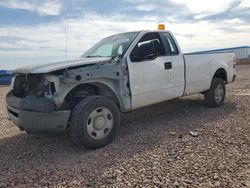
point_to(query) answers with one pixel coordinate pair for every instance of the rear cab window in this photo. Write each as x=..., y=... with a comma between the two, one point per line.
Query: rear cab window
x=169, y=44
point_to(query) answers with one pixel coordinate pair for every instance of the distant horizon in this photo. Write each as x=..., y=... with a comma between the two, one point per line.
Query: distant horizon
x=13, y=66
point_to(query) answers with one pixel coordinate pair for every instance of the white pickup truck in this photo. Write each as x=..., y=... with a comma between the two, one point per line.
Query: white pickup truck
x=121, y=73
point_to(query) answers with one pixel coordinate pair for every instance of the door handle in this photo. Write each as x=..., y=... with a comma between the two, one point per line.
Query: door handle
x=168, y=65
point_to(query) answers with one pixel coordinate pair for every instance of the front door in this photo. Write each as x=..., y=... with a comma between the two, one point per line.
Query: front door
x=150, y=72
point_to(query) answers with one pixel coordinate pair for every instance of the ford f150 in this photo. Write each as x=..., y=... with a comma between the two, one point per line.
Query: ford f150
x=121, y=73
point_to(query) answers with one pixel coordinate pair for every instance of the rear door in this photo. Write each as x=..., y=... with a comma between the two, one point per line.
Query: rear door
x=150, y=72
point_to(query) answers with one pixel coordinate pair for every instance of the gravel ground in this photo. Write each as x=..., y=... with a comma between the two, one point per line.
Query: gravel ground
x=153, y=148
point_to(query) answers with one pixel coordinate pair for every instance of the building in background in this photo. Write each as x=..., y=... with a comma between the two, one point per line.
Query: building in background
x=5, y=77
x=242, y=53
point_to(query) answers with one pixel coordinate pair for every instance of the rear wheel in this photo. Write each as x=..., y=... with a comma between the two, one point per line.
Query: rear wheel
x=215, y=96
x=94, y=122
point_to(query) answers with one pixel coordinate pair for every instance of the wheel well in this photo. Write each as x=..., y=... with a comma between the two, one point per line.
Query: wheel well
x=84, y=90
x=221, y=73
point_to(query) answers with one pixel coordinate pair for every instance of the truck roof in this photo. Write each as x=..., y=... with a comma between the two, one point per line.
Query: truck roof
x=154, y=31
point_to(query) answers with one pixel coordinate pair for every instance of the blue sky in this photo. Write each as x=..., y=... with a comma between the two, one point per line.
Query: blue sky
x=33, y=31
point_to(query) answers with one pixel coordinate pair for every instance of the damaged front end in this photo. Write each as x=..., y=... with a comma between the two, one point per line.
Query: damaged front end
x=34, y=92
x=43, y=101
x=31, y=106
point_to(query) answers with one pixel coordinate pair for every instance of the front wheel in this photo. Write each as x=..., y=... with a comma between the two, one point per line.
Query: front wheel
x=215, y=96
x=94, y=122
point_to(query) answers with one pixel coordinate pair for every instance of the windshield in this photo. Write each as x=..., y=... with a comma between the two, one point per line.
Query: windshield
x=112, y=46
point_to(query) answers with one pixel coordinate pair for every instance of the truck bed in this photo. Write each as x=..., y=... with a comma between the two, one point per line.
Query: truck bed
x=200, y=68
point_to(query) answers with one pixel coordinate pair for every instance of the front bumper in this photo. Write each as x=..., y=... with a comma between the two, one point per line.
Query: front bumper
x=35, y=121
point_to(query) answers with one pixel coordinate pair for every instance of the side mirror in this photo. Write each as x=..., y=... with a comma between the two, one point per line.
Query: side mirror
x=145, y=51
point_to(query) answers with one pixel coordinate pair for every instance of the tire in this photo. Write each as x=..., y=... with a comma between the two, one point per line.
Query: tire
x=94, y=122
x=215, y=96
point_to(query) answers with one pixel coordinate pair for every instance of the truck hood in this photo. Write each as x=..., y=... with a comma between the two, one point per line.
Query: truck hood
x=51, y=67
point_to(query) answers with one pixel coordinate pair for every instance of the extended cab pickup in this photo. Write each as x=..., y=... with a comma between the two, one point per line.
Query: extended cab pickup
x=121, y=73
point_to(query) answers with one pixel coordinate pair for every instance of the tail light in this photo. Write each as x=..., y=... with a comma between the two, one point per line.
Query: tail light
x=234, y=61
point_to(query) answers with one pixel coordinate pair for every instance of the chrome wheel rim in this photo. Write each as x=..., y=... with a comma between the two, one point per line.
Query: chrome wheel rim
x=99, y=123
x=219, y=93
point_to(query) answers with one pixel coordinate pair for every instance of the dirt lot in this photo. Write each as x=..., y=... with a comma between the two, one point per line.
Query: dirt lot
x=153, y=148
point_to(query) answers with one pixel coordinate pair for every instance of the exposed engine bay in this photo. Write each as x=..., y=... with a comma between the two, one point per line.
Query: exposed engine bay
x=64, y=88
x=36, y=85
x=33, y=92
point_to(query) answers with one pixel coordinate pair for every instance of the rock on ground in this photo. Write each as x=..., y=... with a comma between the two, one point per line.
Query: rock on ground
x=144, y=154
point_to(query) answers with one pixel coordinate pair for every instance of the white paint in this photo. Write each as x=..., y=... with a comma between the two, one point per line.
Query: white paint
x=202, y=67
x=150, y=83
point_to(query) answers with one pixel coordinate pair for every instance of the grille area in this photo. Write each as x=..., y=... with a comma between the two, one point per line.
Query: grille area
x=29, y=85
x=20, y=86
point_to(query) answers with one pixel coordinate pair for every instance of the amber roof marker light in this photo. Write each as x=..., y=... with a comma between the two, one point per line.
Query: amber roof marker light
x=161, y=27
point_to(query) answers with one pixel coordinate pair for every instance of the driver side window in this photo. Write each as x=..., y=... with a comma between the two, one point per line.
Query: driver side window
x=148, y=48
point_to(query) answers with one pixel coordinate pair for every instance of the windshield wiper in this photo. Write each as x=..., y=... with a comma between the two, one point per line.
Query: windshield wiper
x=93, y=56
